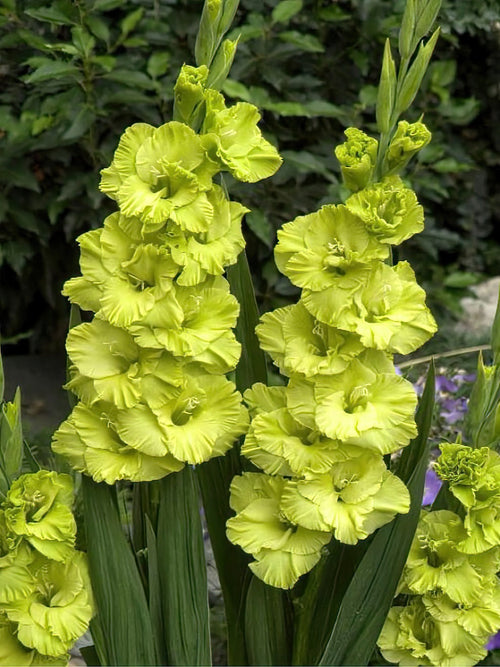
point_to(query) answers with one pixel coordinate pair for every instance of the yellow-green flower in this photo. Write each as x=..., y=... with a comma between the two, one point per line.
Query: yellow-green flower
x=317, y=251
x=38, y=509
x=436, y=565
x=278, y=444
x=298, y=343
x=353, y=499
x=388, y=310
x=368, y=404
x=58, y=609
x=283, y=551
x=233, y=139
x=209, y=253
x=412, y=636
x=90, y=443
x=357, y=157
x=408, y=139
x=162, y=173
x=389, y=210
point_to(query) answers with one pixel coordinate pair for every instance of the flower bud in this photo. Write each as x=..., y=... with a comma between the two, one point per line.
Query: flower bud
x=357, y=157
x=408, y=140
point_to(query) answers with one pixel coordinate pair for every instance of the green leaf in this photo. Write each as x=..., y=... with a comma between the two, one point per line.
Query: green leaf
x=2, y=380
x=154, y=590
x=252, y=365
x=52, y=70
x=83, y=41
x=158, y=64
x=316, y=611
x=461, y=279
x=122, y=628
x=130, y=21
x=286, y=10
x=182, y=571
x=98, y=27
x=130, y=78
x=260, y=226
x=267, y=627
x=52, y=15
x=308, y=43
x=369, y=596
x=215, y=477
x=81, y=123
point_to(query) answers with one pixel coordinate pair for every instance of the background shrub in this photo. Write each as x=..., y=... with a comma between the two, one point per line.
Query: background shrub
x=75, y=73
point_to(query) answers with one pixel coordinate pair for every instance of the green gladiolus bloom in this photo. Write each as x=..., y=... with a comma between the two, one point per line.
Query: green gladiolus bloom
x=58, y=609
x=233, y=139
x=480, y=620
x=411, y=636
x=353, y=499
x=202, y=419
x=161, y=173
x=473, y=476
x=436, y=565
x=408, y=139
x=14, y=654
x=389, y=210
x=195, y=323
x=317, y=250
x=357, y=157
x=388, y=313
x=280, y=445
x=208, y=253
x=109, y=358
x=298, y=343
x=38, y=509
x=282, y=551
x=368, y=405
x=260, y=398
x=88, y=440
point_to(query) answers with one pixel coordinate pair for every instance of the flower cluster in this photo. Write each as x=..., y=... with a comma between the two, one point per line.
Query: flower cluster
x=149, y=369
x=451, y=572
x=321, y=439
x=45, y=595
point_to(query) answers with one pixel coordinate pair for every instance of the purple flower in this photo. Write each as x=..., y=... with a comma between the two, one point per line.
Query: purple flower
x=444, y=384
x=494, y=642
x=432, y=486
x=453, y=410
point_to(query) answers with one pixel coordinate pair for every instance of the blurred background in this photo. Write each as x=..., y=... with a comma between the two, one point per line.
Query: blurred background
x=76, y=73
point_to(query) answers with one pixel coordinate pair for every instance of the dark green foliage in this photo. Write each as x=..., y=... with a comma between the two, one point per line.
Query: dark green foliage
x=75, y=74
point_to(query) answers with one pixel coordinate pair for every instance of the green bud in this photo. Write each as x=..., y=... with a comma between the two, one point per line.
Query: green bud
x=11, y=442
x=386, y=90
x=426, y=13
x=357, y=157
x=483, y=419
x=189, y=91
x=222, y=64
x=407, y=30
x=415, y=74
x=207, y=39
x=408, y=140
x=215, y=21
x=495, y=335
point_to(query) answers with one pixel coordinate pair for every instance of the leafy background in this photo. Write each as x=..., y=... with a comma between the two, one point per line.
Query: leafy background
x=76, y=73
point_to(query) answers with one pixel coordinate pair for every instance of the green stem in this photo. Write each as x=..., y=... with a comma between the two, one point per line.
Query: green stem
x=452, y=353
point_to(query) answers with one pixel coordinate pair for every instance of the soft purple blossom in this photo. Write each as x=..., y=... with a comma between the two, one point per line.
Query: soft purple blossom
x=453, y=410
x=445, y=384
x=494, y=642
x=432, y=486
